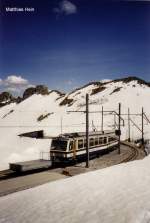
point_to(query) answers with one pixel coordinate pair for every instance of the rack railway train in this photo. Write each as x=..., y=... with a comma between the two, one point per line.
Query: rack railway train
x=72, y=146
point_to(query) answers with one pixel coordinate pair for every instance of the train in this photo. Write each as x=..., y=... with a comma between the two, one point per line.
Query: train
x=72, y=146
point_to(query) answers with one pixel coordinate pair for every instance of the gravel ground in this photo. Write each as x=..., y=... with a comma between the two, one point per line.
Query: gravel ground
x=110, y=159
x=24, y=182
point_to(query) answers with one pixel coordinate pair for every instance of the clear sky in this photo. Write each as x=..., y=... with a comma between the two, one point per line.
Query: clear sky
x=67, y=43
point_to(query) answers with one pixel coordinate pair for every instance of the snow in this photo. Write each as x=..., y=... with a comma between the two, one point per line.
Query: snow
x=118, y=194
x=105, y=80
x=20, y=118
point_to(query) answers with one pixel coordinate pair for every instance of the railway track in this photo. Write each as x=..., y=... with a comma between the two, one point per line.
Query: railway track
x=8, y=174
x=133, y=155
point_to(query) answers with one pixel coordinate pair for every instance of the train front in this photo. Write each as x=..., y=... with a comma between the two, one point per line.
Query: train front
x=59, y=148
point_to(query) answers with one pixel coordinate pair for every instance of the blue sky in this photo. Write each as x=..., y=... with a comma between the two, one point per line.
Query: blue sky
x=65, y=44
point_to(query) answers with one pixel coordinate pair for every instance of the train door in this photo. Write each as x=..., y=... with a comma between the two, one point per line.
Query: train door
x=72, y=148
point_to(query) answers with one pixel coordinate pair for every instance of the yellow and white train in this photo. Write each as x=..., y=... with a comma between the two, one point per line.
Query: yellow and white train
x=72, y=146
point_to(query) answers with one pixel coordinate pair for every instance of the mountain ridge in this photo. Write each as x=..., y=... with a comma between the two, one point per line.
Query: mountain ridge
x=50, y=112
x=98, y=86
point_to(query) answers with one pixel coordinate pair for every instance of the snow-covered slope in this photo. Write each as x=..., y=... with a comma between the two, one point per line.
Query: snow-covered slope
x=17, y=118
x=118, y=194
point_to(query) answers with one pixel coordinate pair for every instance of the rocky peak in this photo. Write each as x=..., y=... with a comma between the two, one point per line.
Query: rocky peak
x=132, y=78
x=6, y=98
x=39, y=89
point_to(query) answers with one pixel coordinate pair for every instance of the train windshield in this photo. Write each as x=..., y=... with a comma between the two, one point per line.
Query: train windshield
x=58, y=144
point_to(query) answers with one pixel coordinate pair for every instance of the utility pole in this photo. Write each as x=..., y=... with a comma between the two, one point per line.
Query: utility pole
x=142, y=126
x=86, y=111
x=102, y=119
x=119, y=130
x=114, y=121
x=87, y=131
x=61, y=120
x=129, y=138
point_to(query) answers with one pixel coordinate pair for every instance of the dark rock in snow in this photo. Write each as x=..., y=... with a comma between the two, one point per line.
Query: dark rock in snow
x=66, y=101
x=42, y=89
x=39, y=89
x=28, y=92
x=132, y=78
x=116, y=90
x=97, y=90
x=6, y=98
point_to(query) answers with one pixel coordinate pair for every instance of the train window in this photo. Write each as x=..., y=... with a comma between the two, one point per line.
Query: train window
x=101, y=140
x=105, y=140
x=91, y=141
x=58, y=144
x=80, y=144
x=111, y=139
x=96, y=141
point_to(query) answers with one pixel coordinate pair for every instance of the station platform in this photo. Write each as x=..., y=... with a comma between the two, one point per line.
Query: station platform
x=30, y=165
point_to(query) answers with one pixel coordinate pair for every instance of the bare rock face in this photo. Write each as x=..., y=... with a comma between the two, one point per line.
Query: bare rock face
x=6, y=98
x=132, y=78
x=18, y=99
x=28, y=92
x=42, y=89
x=39, y=89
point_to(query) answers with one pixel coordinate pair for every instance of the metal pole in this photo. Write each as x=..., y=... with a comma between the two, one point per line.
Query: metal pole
x=142, y=126
x=102, y=119
x=129, y=138
x=87, y=131
x=114, y=121
x=119, y=128
x=61, y=125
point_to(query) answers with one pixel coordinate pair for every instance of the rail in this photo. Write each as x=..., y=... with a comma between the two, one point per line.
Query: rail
x=134, y=152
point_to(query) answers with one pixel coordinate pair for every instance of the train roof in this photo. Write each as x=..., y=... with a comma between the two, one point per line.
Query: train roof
x=81, y=134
